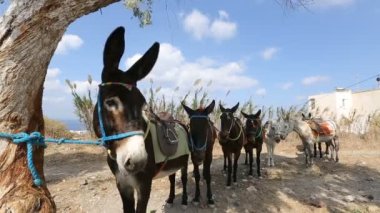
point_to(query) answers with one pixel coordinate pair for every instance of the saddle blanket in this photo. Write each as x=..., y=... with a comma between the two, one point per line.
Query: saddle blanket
x=183, y=147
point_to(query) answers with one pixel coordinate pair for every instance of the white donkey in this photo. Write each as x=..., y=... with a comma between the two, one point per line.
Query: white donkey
x=272, y=137
x=309, y=136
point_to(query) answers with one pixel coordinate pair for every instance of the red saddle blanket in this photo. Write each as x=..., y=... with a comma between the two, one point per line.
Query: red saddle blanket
x=322, y=127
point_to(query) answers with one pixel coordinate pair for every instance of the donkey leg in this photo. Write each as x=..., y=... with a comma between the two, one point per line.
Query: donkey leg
x=327, y=149
x=225, y=162
x=336, y=141
x=143, y=196
x=197, y=177
x=320, y=150
x=184, y=185
x=127, y=196
x=170, y=199
x=236, y=158
x=207, y=177
x=258, y=153
x=269, y=149
x=272, y=154
x=246, y=157
x=229, y=169
x=250, y=173
x=315, y=150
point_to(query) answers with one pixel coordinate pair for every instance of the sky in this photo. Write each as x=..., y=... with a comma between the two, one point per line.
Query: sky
x=255, y=49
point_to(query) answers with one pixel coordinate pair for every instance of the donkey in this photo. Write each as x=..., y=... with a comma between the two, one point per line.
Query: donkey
x=272, y=137
x=202, y=137
x=231, y=138
x=324, y=131
x=308, y=118
x=254, y=137
x=307, y=136
x=119, y=121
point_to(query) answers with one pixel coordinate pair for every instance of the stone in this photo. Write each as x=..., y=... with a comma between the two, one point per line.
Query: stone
x=317, y=202
x=251, y=189
x=349, y=198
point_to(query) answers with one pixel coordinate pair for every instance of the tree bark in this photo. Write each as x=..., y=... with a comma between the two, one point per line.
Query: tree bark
x=30, y=31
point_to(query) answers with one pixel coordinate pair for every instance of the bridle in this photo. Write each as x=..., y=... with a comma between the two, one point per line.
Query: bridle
x=192, y=144
x=259, y=128
x=110, y=138
x=233, y=122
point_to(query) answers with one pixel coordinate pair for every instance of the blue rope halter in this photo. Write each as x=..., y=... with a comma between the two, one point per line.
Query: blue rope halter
x=193, y=146
x=105, y=139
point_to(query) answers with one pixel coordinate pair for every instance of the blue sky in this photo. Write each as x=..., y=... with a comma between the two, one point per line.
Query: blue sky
x=253, y=48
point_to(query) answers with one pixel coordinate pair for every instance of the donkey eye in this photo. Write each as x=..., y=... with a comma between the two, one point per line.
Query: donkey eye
x=113, y=104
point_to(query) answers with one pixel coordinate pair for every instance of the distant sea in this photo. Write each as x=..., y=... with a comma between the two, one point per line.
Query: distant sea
x=75, y=125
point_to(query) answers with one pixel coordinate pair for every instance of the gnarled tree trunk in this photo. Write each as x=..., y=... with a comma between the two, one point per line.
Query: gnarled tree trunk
x=29, y=34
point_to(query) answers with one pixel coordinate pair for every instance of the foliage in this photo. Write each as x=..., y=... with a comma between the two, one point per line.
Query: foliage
x=84, y=105
x=142, y=9
x=56, y=129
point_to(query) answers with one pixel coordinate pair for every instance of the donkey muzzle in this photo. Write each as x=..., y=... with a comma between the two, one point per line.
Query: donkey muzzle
x=131, y=154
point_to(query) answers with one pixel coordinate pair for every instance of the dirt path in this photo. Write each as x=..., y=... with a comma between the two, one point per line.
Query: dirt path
x=80, y=181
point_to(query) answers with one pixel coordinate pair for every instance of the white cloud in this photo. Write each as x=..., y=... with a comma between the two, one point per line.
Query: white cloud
x=325, y=4
x=174, y=70
x=268, y=53
x=52, y=73
x=287, y=85
x=68, y=42
x=261, y=92
x=82, y=87
x=200, y=26
x=300, y=98
x=314, y=80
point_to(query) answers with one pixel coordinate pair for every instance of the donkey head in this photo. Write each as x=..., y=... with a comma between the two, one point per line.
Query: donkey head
x=306, y=117
x=253, y=127
x=272, y=131
x=200, y=130
x=227, y=120
x=120, y=104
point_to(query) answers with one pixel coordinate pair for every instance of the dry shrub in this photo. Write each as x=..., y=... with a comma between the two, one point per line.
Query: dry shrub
x=56, y=129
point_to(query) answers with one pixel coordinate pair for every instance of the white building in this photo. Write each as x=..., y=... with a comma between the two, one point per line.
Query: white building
x=343, y=104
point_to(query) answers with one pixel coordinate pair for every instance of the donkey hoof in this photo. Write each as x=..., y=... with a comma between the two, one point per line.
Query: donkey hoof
x=211, y=206
x=260, y=177
x=184, y=207
x=235, y=184
x=168, y=205
x=195, y=203
x=228, y=187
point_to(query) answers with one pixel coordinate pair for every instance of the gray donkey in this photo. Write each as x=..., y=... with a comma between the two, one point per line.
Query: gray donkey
x=309, y=136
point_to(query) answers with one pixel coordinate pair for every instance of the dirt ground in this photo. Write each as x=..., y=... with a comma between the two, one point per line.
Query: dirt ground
x=80, y=181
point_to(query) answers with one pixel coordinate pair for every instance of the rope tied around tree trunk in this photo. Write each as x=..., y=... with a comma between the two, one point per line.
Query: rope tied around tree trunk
x=37, y=139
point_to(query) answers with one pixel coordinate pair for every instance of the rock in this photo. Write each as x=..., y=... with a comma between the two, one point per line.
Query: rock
x=317, y=202
x=244, y=180
x=288, y=191
x=369, y=197
x=234, y=195
x=370, y=179
x=349, y=198
x=84, y=182
x=251, y=189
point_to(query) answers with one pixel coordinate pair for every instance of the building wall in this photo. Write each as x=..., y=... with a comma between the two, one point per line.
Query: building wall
x=343, y=103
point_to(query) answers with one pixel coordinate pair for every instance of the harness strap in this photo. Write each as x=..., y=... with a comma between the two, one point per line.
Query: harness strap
x=241, y=130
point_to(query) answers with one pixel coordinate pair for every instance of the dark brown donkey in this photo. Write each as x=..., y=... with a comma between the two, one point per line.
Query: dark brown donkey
x=119, y=122
x=202, y=138
x=255, y=136
x=231, y=138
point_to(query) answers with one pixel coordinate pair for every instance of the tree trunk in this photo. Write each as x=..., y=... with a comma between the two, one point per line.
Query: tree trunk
x=29, y=34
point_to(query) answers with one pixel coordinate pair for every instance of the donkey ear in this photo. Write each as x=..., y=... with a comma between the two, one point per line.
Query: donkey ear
x=303, y=116
x=114, y=49
x=245, y=115
x=210, y=107
x=145, y=64
x=309, y=114
x=233, y=109
x=221, y=108
x=188, y=110
x=258, y=113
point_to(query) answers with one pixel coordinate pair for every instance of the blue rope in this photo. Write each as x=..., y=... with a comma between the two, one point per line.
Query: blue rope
x=36, y=139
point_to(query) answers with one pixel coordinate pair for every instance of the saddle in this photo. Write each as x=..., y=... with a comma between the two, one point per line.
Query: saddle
x=167, y=137
x=321, y=127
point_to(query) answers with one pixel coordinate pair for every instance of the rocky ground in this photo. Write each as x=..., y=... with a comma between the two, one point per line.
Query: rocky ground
x=80, y=181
